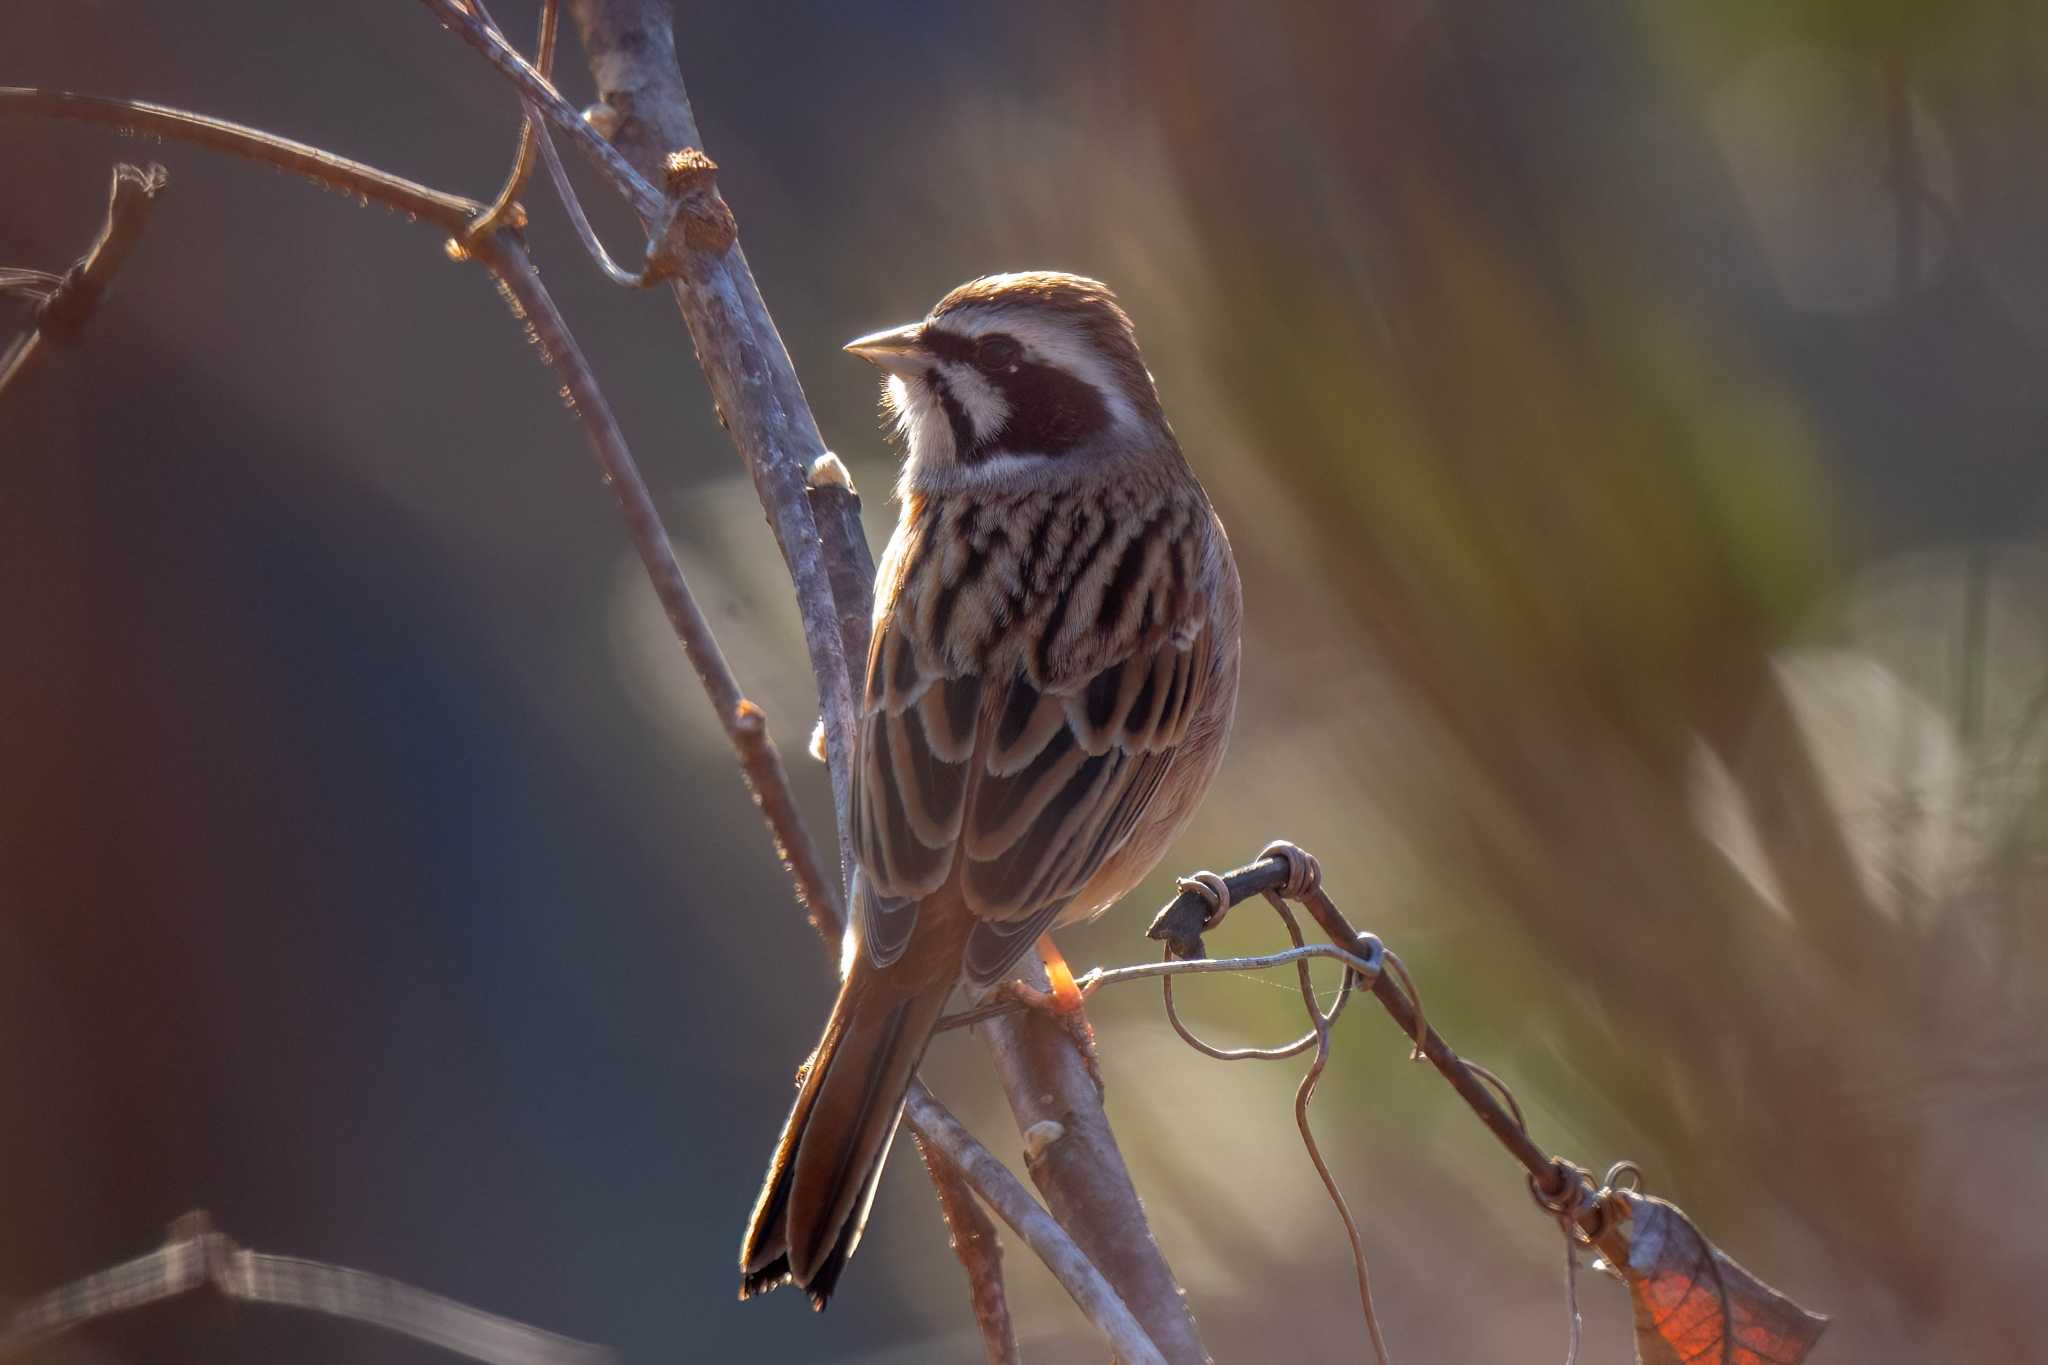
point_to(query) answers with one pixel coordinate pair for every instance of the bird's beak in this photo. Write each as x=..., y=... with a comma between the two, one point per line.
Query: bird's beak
x=899, y=350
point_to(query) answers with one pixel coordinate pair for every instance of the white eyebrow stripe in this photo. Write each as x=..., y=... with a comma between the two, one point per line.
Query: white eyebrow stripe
x=985, y=407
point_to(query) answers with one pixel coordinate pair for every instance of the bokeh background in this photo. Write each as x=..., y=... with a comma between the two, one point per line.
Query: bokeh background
x=1630, y=420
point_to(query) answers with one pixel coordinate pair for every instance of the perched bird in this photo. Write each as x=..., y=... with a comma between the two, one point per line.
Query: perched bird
x=1049, y=690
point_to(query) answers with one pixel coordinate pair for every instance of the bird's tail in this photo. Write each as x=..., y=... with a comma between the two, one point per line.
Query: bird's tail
x=819, y=1188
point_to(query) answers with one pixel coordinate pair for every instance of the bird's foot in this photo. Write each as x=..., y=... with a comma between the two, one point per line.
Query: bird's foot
x=1063, y=1002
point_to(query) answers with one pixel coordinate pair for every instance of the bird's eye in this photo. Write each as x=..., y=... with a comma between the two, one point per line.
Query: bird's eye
x=997, y=353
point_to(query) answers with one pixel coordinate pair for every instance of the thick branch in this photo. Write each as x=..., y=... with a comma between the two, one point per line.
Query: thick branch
x=753, y=383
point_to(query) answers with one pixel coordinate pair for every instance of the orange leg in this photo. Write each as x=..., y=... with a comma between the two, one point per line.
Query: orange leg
x=1066, y=1005
x=1062, y=1003
x=1066, y=996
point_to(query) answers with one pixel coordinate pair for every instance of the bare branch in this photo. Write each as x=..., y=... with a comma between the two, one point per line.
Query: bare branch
x=745, y=726
x=533, y=133
x=1557, y=1184
x=742, y=721
x=540, y=96
x=752, y=381
x=70, y=303
x=1076, y=1164
x=503, y=207
x=1091, y=981
x=979, y=1252
x=1069, y=1263
x=450, y=212
x=203, y=1257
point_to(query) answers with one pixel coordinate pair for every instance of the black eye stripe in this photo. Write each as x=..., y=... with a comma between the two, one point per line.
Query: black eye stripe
x=997, y=352
x=948, y=345
x=964, y=436
x=1050, y=411
x=990, y=352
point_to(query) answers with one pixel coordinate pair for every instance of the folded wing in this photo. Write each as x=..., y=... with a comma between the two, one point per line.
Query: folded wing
x=1012, y=792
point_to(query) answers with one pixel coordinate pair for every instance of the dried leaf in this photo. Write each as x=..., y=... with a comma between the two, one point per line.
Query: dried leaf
x=1694, y=1306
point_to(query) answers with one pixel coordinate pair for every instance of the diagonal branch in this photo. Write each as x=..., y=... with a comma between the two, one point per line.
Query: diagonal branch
x=745, y=726
x=743, y=722
x=979, y=1252
x=1559, y=1186
x=1047, y=1237
x=752, y=381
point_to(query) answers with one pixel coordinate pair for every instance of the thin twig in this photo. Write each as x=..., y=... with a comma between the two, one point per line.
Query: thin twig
x=743, y=722
x=980, y=1254
x=540, y=97
x=744, y=725
x=1306, y=1092
x=196, y=1257
x=69, y=304
x=1561, y=1186
x=505, y=207
x=1090, y=981
x=1357, y=969
x=450, y=212
x=573, y=204
x=533, y=133
x=742, y=356
x=1000, y=1190
x=1571, y=1298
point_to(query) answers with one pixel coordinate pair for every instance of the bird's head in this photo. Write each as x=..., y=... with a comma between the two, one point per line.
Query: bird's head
x=1016, y=377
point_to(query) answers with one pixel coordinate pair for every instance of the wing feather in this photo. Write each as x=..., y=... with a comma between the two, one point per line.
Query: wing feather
x=983, y=771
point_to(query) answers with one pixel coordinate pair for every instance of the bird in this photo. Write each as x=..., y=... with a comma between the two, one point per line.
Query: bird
x=1050, y=687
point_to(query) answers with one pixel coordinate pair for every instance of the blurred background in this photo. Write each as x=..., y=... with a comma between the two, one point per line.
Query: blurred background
x=1629, y=418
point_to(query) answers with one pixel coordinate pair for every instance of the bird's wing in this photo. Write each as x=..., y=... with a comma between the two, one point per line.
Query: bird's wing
x=1018, y=790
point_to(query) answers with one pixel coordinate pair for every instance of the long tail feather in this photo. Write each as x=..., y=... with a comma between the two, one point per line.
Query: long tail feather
x=815, y=1202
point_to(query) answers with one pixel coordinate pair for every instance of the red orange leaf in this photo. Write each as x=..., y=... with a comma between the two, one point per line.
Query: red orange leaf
x=1694, y=1306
